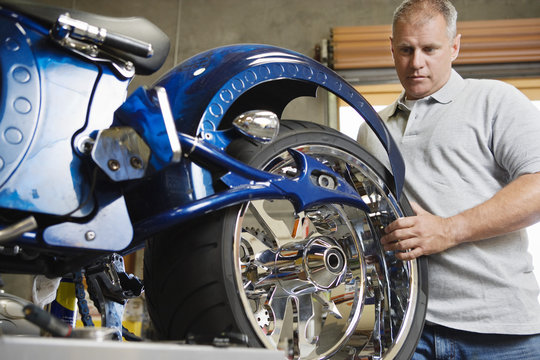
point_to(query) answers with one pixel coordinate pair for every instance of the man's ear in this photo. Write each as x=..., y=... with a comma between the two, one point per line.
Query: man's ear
x=455, y=46
x=391, y=46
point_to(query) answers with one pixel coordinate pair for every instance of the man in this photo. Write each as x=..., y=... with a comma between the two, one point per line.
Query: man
x=472, y=155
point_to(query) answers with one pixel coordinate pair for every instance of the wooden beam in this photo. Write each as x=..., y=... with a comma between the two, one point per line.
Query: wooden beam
x=482, y=42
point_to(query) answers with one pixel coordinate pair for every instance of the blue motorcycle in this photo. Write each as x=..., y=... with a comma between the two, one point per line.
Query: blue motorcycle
x=256, y=229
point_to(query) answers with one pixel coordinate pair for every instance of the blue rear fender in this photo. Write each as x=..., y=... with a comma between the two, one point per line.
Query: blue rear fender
x=209, y=89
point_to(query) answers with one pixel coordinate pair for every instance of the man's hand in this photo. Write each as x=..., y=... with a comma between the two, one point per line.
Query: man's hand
x=514, y=207
x=423, y=234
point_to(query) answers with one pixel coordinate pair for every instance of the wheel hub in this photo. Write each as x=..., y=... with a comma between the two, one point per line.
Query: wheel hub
x=324, y=263
x=306, y=267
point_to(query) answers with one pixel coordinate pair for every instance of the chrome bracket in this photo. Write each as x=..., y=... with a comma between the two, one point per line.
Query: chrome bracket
x=121, y=153
x=168, y=120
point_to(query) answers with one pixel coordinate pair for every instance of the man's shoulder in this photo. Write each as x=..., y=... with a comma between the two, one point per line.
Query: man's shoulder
x=388, y=111
x=491, y=92
x=488, y=85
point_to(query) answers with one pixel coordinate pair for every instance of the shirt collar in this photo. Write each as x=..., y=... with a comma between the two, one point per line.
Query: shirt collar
x=450, y=90
x=444, y=95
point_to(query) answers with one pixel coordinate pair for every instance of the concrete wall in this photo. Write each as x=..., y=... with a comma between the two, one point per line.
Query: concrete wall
x=197, y=25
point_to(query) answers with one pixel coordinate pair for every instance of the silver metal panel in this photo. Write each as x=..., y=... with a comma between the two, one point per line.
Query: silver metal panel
x=31, y=348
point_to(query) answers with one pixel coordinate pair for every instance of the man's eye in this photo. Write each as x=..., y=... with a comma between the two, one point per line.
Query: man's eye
x=406, y=51
x=429, y=50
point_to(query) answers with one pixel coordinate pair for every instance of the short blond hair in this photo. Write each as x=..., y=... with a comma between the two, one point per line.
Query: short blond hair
x=427, y=9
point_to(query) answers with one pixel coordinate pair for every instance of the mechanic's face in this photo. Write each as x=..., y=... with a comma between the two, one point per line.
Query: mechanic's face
x=423, y=55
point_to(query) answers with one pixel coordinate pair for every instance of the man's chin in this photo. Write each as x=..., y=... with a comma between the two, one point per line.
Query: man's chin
x=416, y=93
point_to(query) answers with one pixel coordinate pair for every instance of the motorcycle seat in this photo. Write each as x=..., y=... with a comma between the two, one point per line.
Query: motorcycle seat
x=134, y=27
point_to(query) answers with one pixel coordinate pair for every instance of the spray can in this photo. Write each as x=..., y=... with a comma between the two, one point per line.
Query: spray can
x=64, y=306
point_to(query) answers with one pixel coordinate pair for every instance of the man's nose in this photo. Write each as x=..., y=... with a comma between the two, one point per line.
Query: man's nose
x=418, y=60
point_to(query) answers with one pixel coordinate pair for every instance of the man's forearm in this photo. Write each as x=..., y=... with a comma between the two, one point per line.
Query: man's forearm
x=515, y=206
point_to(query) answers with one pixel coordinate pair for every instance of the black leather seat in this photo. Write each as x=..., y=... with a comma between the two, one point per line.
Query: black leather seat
x=134, y=27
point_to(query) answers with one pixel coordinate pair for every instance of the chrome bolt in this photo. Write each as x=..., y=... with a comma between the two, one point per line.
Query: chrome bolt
x=90, y=235
x=114, y=165
x=136, y=162
x=85, y=145
x=93, y=51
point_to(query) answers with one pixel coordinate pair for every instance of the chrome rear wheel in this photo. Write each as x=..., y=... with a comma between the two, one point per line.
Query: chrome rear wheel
x=318, y=282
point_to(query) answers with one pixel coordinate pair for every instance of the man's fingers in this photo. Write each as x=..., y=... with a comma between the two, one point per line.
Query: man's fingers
x=398, y=235
x=409, y=255
x=405, y=249
x=400, y=245
x=401, y=223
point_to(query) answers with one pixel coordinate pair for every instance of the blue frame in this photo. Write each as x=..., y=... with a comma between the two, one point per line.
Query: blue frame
x=247, y=184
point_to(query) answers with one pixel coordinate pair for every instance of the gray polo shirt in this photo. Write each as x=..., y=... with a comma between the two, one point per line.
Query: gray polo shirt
x=461, y=145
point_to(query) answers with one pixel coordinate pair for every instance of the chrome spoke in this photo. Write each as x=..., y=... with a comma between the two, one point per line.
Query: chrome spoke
x=308, y=328
x=283, y=318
